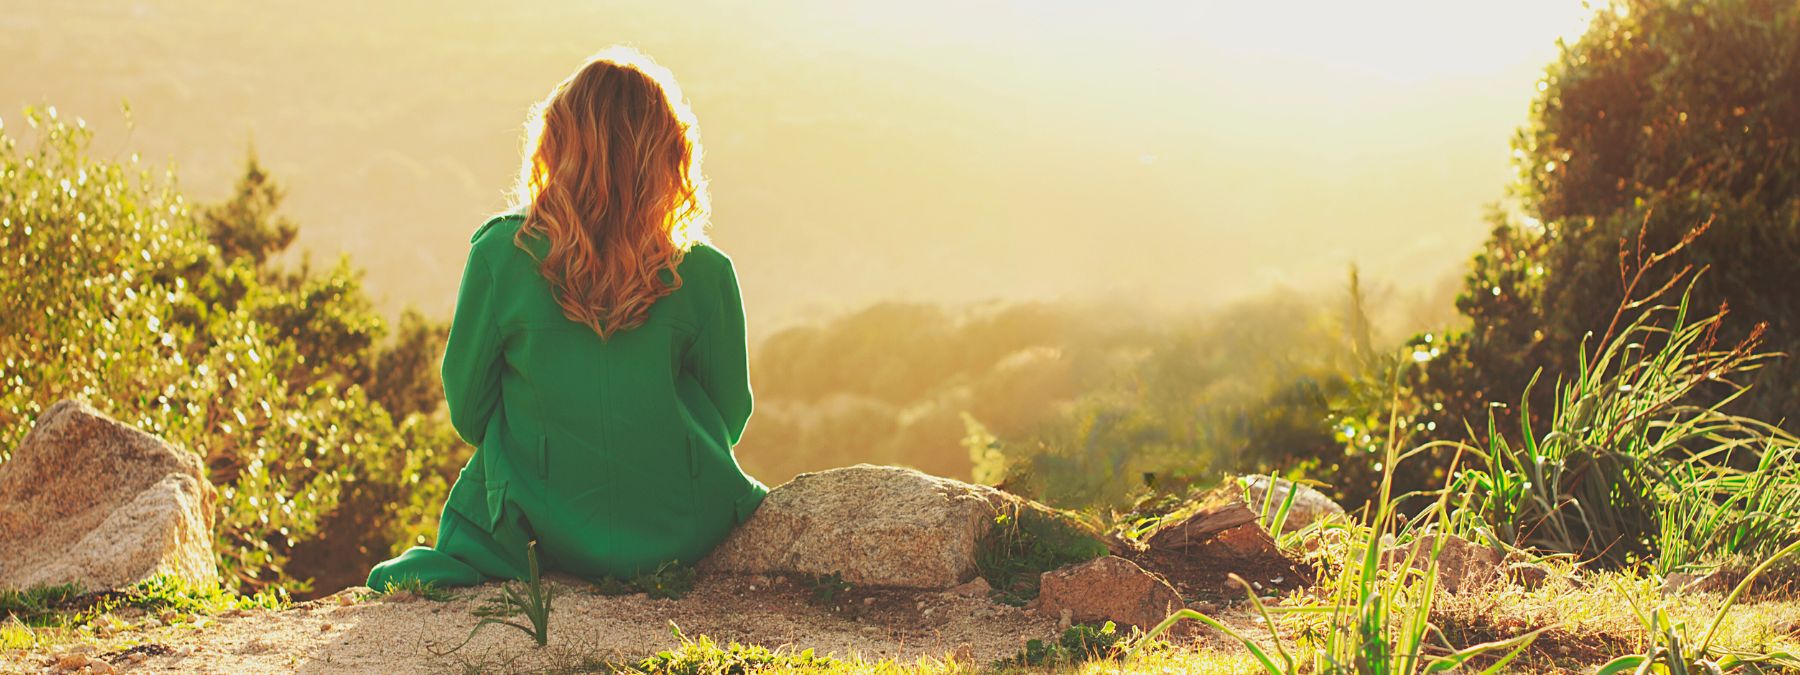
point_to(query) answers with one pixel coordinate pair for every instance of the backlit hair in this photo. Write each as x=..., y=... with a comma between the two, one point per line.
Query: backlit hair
x=612, y=179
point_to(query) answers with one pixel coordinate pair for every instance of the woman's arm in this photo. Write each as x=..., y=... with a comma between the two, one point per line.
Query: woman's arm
x=472, y=362
x=723, y=363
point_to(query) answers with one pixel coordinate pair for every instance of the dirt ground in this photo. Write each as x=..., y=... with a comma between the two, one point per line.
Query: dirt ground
x=355, y=631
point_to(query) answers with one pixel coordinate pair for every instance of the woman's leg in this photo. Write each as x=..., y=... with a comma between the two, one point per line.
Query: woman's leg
x=465, y=554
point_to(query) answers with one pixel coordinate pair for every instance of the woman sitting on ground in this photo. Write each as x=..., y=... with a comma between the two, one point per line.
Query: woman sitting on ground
x=597, y=357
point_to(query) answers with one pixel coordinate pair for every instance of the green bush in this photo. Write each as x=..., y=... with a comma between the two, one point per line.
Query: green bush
x=1629, y=465
x=1664, y=115
x=121, y=295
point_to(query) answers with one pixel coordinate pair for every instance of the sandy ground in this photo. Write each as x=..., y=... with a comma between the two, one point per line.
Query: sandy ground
x=355, y=632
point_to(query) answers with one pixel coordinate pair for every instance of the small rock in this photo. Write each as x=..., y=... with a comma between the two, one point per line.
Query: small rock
x=1203, y=526
x=1687, y=582
x=1310, y=505
x=869, y=600
x=964, y=653
x=1248, y=541
x=1108, y=588
x=71, y=662
x=976, y=588
x=1462, y=565
x=1529, y=575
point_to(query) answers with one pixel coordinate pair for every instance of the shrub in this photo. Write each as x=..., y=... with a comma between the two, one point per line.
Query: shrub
x=119, y=294
x=1664, y=114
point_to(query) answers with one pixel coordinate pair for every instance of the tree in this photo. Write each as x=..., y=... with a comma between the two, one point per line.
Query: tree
x=1665, y=116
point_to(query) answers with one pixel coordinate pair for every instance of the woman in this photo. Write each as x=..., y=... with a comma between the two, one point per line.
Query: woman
x=597, y=357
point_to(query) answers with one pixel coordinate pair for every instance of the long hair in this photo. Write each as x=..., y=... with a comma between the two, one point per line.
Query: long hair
x=612, y=179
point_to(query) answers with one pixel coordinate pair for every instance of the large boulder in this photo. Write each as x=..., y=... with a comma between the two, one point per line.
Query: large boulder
x=1108, y=588
x=94, y=502
x=875, y=525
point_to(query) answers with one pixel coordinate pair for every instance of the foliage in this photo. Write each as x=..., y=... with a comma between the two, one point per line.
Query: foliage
x=532, y=603
x=1664, y=114
x=1630, y=466
x=32, y=604
x=428, y=590
x=825, y=589
x=701, y=656
x=1377, y=608
x=120, y=294
x=1673, y=652
x=68, y=605
x=1023, y=544
x=1079, y=642
x=1073, y=405
x=671, y=580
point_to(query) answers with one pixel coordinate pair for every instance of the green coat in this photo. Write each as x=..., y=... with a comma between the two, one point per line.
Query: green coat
x=614, y=455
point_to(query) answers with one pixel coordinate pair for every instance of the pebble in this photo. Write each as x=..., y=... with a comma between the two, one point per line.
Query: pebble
x=71, y=662
x=964, y=653
x=869, y=600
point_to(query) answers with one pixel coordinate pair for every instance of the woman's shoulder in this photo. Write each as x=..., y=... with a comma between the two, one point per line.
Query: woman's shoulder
x=500, y=225
x=704, y=260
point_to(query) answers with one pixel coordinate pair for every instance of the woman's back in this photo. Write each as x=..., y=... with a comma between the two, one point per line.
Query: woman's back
x=597, y=359
x=631, y=435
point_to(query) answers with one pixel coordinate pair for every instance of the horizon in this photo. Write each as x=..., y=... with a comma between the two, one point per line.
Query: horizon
x=1182, y=156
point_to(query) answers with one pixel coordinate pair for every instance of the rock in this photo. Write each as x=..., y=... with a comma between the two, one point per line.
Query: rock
x=1687, y=582
x=1310, y=505
x=875, y=525
x=1203, y=526
x=1108, y=589
x=1529, y=575
x=1462, y=565
x=976, y=588
x=91, y=501
x=1248, y=541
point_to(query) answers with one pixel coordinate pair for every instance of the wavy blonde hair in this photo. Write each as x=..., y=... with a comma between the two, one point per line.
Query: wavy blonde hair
x=612, y=179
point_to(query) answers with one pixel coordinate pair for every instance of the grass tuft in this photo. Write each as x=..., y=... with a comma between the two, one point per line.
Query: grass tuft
x=701, y=656
x=1023, y=544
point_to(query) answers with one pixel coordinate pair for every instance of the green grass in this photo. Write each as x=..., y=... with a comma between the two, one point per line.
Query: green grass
x=1629, y=470
x=1079, y=643
x=532, y=603
x=825, y=589
x=701, y=656
x=35, y=604
x=1023, y=544
x=68, y=606
x=421, y=589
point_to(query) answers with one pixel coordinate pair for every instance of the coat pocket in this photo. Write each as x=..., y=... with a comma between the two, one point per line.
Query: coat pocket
x=693, y=457
x=543, y=457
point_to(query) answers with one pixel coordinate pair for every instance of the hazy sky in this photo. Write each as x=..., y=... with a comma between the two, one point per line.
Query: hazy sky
x=1176, y=152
